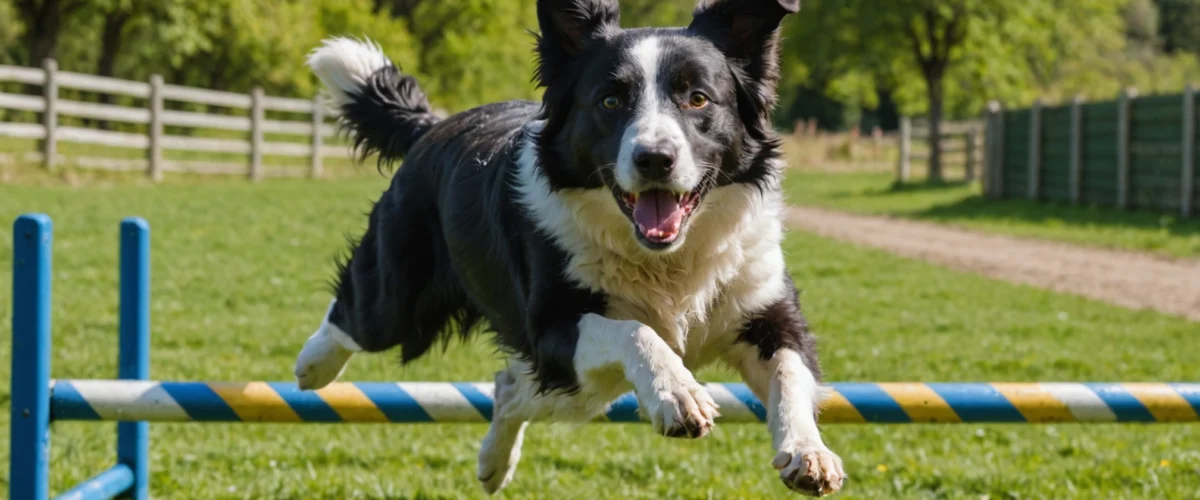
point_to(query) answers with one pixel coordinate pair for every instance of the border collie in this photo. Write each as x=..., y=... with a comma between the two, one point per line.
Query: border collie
x=618, y=235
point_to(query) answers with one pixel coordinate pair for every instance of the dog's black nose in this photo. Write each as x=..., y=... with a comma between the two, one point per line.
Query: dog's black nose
x=654, y=162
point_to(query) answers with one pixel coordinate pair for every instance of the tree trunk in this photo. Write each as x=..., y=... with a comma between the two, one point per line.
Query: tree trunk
x=43, y=22
x=110, y=46
x=933, y=84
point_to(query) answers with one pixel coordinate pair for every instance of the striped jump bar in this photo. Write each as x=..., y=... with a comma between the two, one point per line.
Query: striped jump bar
x=455, y=402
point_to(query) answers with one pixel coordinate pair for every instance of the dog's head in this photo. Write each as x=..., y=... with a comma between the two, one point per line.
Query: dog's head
x=659, y=117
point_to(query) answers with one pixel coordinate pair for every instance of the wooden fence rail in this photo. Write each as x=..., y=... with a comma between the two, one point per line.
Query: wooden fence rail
x=1134, y=152
x=155, y=117
x=956, y=138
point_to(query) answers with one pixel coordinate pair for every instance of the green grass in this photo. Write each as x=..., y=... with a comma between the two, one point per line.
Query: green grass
x=963, y=205
x=239, y=281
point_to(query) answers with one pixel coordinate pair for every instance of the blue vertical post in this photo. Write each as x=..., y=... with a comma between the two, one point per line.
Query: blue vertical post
x=133, y=438
x=29, y=460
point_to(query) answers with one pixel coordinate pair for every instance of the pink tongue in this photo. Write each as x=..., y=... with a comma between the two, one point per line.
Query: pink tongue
x=658, y=215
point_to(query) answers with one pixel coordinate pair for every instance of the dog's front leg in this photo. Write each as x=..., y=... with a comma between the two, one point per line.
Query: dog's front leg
x=776, y=357
x=610, y=356
x=667, y=392
x=791, y=394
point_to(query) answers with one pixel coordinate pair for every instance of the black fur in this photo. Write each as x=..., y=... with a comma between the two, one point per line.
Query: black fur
x=782, y=326
x=449, y=247
x=388, y=116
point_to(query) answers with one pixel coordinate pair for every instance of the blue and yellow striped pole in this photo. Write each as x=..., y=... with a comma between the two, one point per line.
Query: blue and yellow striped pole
x=415, y=402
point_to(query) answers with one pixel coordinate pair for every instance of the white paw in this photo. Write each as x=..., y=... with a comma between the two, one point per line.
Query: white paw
x=499, y=456
x=679, y=408
x=321, y=361
x=812, y=470
x=501, y=449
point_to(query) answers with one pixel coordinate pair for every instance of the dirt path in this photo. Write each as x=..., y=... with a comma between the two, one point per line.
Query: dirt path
x=1124, y=278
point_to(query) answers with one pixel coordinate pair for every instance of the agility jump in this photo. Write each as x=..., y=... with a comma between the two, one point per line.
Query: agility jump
x=134, y=400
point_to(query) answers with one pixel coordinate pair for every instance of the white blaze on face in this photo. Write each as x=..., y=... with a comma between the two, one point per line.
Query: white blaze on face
x=653, y=125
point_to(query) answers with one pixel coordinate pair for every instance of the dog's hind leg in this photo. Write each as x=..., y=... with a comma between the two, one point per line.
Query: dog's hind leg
x=396, y=290
x=501, y=449
x=324, y=356
x=517, y=402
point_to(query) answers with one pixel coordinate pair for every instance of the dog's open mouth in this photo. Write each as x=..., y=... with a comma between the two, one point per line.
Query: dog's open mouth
x=660, y=214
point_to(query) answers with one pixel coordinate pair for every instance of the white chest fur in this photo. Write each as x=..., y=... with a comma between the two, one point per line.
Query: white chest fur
x=696, y=297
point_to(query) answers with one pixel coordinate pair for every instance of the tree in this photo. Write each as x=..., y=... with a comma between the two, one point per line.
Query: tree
x=44, y=20
x=822, y=73
x=931, y=33
x=475, y=51
x=1142, y=26
x=1179, y=25
x=10, y=33
x=962, y=52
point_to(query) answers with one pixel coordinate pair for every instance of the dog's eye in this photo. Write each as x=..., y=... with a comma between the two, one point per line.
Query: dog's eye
x=698, y=100
x=611, y=102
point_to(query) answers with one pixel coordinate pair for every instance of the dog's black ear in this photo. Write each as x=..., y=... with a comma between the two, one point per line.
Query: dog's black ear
x=568, y=28
x=743, y=29
x=747, y=32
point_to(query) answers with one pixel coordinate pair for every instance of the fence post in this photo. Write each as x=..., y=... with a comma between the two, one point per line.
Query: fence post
x=257, y=115
x=1189, y=152
x=318, y=122
x=971, y=137
x=1035, y=149
x=989, y=149
x=50, y=115
x=905, y=149
x=1123, y=105
x=156, y=128
x=1076, y=179
x=994, y=167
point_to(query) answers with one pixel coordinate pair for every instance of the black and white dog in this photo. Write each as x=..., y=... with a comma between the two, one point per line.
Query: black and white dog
x=618, y=235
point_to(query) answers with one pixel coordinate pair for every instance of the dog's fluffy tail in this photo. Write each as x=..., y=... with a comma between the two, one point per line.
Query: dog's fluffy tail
x=384, y=111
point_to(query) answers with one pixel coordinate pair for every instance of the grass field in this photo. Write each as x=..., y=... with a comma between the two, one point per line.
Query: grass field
x=962, y=205
x=240, y=280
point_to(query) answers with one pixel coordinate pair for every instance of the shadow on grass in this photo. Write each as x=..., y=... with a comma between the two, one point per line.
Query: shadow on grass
x=920, y=187
x=1050, y=213
x=961, y=204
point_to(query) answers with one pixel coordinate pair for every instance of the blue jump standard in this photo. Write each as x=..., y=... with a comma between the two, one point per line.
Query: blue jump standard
x=29, y=467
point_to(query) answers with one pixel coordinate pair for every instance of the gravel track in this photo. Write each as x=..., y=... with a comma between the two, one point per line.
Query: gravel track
x=1127, y=279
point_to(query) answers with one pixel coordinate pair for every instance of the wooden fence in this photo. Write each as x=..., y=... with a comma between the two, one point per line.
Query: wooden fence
x=155, y=116
x=1132, y=153
x=960, y=143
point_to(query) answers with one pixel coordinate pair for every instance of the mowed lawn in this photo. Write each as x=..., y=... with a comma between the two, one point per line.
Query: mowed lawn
x=963, y=205
x=240, y=278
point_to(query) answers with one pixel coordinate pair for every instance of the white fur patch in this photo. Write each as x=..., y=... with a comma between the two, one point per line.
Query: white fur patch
x=695, y=297
x=324, y=356
x=610, y=356
x=667, y=392
x=651, y=126
x=344, y=64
